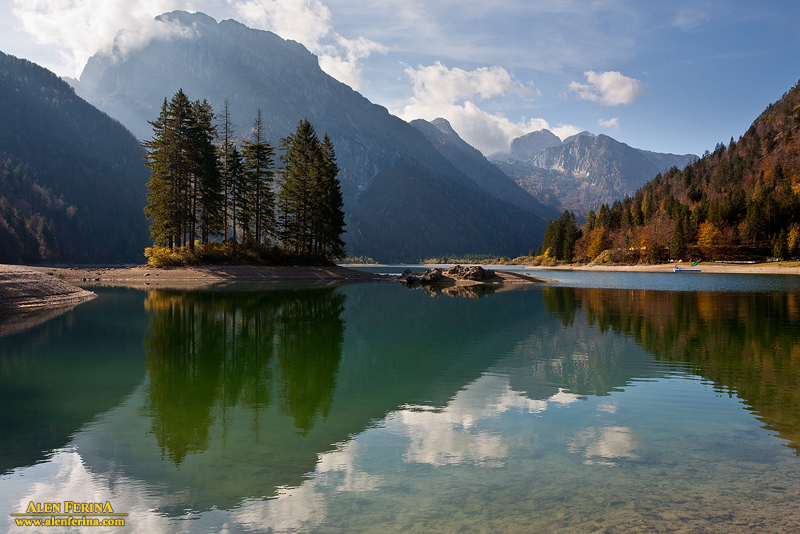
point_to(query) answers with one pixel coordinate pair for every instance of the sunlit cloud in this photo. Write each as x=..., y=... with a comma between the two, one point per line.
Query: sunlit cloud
x=80, y=28
x=565, y=130
x=452, y=93
x=309, y=22
x=609, y=88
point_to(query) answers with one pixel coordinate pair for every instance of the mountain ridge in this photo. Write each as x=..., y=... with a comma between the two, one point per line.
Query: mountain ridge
x=584, y=170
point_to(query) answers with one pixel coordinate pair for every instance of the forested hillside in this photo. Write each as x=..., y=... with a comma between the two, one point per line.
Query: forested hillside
x=71, y=178
x=737, y=202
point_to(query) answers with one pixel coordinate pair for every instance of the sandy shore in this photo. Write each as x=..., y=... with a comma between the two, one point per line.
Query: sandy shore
x=143, y=276
x=27, y=289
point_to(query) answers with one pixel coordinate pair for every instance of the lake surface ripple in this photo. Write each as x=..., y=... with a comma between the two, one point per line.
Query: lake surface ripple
x=577, y=406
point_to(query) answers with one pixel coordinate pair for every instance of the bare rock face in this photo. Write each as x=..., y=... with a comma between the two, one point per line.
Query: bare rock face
x=431, y=276
x=476, y=273
x=436, y=275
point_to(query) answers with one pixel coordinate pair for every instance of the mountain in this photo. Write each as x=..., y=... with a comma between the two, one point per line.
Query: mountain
x=72, y=181
x=403, y=200
x=480, y=170
x=584, y=171
x=527, y=146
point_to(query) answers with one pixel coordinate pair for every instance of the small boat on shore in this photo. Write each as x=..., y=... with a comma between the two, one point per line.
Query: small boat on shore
x=679, y=270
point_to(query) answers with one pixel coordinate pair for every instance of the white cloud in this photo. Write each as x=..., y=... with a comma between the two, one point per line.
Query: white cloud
x=451, y=93
x=565, y=130
x=79, y=28
x=609, y=88
x=304, y=21
x=309, y=22
x=438, y=84
x=612, y=123
x=344, y=62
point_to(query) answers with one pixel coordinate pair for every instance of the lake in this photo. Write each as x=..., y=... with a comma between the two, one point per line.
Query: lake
x=605, y=402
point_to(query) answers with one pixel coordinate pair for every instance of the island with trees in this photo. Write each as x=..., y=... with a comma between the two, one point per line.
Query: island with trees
x=213, y=200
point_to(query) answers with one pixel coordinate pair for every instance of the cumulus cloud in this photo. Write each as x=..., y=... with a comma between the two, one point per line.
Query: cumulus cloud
x=309, y=22
x=79, y=28
x=609, y=88
x=440, y=91
x=612, y=123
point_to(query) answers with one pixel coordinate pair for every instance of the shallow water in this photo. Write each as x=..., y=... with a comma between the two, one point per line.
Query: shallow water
x=376, y=408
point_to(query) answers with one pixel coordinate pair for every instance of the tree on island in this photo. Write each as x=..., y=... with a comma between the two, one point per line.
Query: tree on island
x=230, y=198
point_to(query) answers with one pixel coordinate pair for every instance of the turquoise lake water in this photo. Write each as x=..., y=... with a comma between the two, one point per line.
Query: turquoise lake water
x=605, y=402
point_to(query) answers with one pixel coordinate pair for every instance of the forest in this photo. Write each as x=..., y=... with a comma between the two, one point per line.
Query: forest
x=224, y=202
x=739, y=202
x=71, y=178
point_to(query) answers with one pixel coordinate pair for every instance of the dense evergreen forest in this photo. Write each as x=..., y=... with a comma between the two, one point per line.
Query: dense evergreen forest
x=738, y=202
x=71, y=177
x=213, y=202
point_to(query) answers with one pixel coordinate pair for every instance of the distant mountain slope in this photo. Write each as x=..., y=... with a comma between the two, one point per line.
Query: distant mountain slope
x=524, y=148
x=388, y=168
x=472, y=163
x=584, y=171
x=72, y=178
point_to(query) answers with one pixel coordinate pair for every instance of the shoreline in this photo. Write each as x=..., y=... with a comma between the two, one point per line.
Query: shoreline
x=32, y=288
x=24, y=289
x=783, y=268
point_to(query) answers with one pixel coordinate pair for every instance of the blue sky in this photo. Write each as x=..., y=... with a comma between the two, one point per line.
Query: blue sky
x=675, y=76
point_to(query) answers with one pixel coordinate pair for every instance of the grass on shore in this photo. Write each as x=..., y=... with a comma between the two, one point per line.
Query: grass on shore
x=229, y=254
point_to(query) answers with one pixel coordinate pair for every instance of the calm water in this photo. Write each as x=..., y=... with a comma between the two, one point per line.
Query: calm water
x=376, y=408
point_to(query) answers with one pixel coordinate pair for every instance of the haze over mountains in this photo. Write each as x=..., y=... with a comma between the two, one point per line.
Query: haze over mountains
x=584, y=170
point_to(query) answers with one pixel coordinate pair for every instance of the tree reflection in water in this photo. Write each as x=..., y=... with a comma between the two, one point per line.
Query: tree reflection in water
x=231, y=348
x=746, y=343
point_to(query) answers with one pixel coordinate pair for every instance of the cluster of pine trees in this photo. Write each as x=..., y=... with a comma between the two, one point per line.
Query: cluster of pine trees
x=738, y=202
x=206, y=188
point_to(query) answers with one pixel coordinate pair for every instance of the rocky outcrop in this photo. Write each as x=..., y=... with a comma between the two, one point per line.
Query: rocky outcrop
x=475, y=273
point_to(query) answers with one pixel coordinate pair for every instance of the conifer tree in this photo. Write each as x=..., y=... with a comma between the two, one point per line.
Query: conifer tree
x=310, y=199
x=240, y=195
x=259, y=169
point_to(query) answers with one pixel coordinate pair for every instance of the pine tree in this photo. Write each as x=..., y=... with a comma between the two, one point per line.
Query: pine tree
x=224, y=152
x=259, y=169
x=331, y=243
x=169, y=156
x=241, y=212
x=209, y=193
x=310, y=199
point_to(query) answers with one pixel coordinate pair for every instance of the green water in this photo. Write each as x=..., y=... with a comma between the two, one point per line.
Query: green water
x=375, y=408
